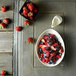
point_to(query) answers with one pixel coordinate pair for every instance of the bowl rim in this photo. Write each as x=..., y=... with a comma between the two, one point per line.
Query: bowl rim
x=62, y=43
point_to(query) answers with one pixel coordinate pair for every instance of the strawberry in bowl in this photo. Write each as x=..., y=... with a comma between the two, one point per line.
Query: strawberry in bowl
x=29, y=10
x=50, y=48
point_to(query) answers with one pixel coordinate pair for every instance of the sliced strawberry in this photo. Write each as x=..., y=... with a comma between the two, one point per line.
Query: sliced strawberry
x=3, y=8
x=41, y=45
x=58, y=56
x=29, y=40
x=51, y=35
x=47, y=54
x=61, y=51
x=27, y=23
x=55, y=44
x=43, y=40
x=47, y=60
x=43, y=60
x=42, y=55
x=53, y=54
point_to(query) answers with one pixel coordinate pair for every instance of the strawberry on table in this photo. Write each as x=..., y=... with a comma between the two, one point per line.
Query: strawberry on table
x=29, y=40
x=27, y=23
x=18, y=28
x=2, y=25
x=30, y=6
x=6, y=21
x=3, y=8
x=3, y=72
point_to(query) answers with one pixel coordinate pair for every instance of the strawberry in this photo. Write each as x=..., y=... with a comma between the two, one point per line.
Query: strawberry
x=55, y=44
x=58, y=56
x=30, y=14
x=35, y=10
x=3, y=72
x=25, y=11
x=51, y=35
x=18, y=28
x=31, y=18
x=24, y=14
x=24, y=8
x=47, y=60
x=53, y=54
x=3, y=8
x=42, y=55
x=6, y=21
x=61, y=51
x=43, y=40
x=29, y=40
x=30, y=7
x=2, y=25
x=47, y=54
x=43, y=60
x=27, y=23
x=41, y=45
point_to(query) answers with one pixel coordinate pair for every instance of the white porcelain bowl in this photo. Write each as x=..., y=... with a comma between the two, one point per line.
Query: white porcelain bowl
x=59, y=39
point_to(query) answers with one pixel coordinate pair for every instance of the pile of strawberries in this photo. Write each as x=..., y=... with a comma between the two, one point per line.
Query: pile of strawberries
x=4, y=23
x=50, y=49
x=29, y=10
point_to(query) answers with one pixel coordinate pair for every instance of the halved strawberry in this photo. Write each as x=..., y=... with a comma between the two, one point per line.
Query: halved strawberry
x=61, y=51
x=27, y=23
x=42, y=55
x=30, y=6
x=29, y=40
x=58, y=56
x=47, y=60
x=55, y=44
x=43, y=60
x=52, y=54
x=18, y=28
x=47, y=54
x=3, y=8
x=51, y=35
x=6, y=21
x=43, y=40
x=2, y=25
x=3, y=72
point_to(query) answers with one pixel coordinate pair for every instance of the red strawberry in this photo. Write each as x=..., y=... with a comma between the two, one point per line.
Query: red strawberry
x=31, y=18
x=55, y=44
x=24, y=14
x=51, y=35
x=42, y=55
x=47, y=60
x=3, y=72
x=47, y=54
x=35, y=10
x=24, y=8
x=46, y=37
x=2, y=25
x=30, y=40
x=54, y=59
x=30, y=14
x=27, y=23
x=43, y=40
x=18, y=28
x=41, y=45
x=3, y=9
x=43, y=60
x=53, y=54
x=25, y=11
x=30, y=7
x=6, y=21
x=61, y=51
x=58, y=56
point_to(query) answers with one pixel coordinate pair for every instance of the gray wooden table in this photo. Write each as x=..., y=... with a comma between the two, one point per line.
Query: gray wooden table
x=25, y=62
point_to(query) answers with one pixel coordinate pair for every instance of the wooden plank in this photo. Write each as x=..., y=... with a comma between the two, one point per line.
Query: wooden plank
x=8, y=14
x=8, y=3
x=6, y=62
x=6, y=41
